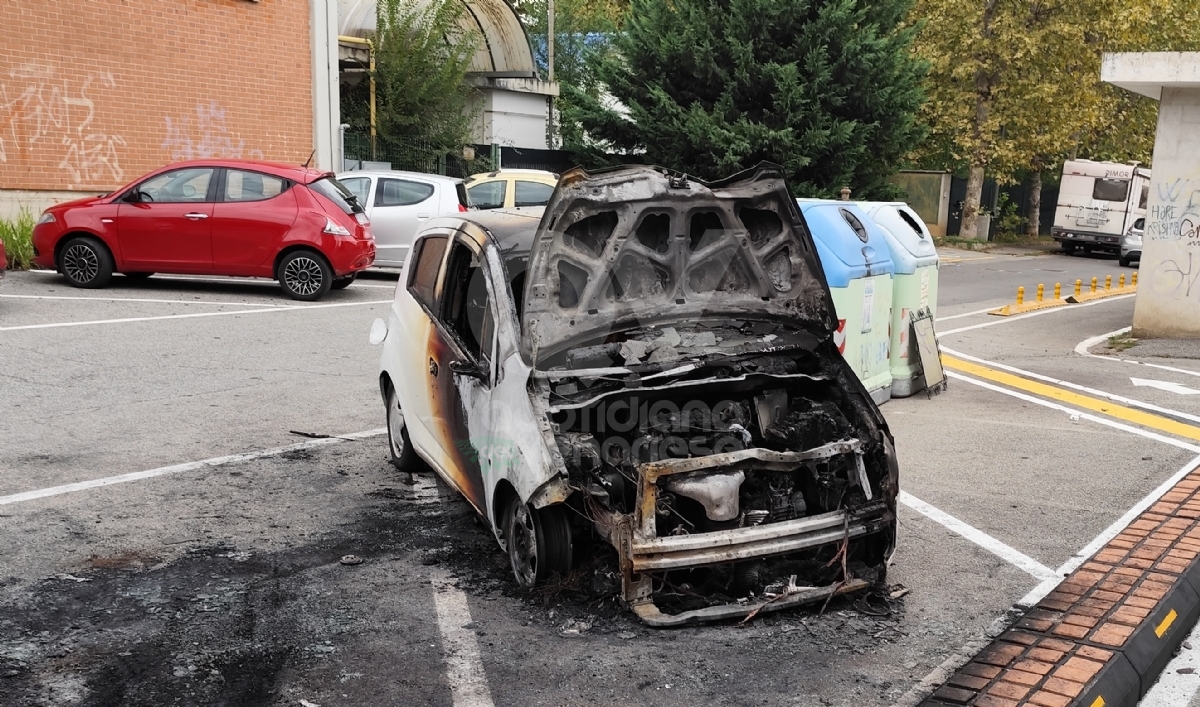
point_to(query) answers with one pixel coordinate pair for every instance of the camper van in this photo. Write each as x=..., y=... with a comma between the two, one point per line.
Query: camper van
x=1098, y=203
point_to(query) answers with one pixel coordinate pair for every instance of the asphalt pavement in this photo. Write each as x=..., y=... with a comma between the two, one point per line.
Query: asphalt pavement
x=212, y=572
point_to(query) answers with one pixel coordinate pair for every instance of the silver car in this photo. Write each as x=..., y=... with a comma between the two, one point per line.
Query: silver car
x=1131, y=243
x=399, y=204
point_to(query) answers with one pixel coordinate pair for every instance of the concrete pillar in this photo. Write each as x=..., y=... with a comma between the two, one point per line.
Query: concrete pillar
x=1168, y=299
x=326, y=93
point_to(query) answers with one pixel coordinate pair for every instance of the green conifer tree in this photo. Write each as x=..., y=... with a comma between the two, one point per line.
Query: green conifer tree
x=828, y=89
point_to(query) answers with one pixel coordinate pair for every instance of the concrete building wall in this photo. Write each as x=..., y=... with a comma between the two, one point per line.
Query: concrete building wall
x=95, y=93
x=1168, y=301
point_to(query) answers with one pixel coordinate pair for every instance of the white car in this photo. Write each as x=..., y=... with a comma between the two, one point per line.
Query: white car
x=399, y=203
x=648, y=363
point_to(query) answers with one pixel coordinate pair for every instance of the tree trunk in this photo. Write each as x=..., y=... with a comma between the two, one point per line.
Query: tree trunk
x=1033, y=217
x=970, y=212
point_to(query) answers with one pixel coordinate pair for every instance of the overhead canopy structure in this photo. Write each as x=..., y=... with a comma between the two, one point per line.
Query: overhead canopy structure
x=514, y=105
x=504, y=53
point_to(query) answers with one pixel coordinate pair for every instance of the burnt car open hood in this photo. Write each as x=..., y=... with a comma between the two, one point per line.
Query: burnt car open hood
x=637, y=246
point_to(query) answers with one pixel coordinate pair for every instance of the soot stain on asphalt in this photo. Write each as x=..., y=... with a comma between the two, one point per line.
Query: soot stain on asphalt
x=234, y=626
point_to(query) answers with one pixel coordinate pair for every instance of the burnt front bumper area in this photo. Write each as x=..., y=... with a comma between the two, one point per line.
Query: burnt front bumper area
x=646, y=558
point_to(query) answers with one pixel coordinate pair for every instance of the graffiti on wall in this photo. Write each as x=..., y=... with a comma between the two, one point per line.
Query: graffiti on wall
x=1175, y=219
x=205, y=135
x=41, y=110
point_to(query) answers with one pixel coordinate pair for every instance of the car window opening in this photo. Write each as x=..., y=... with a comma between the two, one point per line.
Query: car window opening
x=423, y=277
x=467, y=309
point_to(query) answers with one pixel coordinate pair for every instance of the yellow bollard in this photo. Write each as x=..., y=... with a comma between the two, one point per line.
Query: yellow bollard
x=1041, y=291
x=1108, y=282
x=1078, y=287
x=1058, y=290
x=1134, y=283
x=1020, y=296
x=1121, y=282
x=1094, y=281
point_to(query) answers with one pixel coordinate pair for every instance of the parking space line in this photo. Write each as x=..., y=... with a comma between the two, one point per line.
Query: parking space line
x=284, y=308
x=1075, y=386
x=1009, y=554
x=1039, y=313
x=151, y=301
x=1105, y=407
x=181, y=468
x=1078, y=413
x=948, y=667
x=464, y=666
x=965, y=314
x=245, y=281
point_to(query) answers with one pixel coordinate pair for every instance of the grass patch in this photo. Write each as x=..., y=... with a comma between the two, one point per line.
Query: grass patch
x=17, y=236
x=1120, y=342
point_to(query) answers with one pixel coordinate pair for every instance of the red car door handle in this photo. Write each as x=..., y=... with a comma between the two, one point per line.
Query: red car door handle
x=195, y=216
x=433, y=368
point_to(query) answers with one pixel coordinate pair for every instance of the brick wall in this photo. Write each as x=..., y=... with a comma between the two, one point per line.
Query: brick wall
x=93, y=93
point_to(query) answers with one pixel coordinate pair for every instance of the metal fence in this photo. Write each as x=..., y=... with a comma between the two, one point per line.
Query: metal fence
x=418, y=156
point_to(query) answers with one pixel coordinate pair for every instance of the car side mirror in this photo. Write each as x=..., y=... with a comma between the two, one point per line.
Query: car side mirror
x=468, y=368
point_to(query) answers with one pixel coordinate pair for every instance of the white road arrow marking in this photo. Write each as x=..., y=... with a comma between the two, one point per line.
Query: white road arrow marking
x=1165, y=385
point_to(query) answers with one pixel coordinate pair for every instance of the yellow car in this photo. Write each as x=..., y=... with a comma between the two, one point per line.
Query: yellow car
x=509, y=188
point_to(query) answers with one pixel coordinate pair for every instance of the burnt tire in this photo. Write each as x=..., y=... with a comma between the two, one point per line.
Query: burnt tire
x=404, y=457
x=85, y=262
x=343, y=282
x=304, y=275
x=538, y=542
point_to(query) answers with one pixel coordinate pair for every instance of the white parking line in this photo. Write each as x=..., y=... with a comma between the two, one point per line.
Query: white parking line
x=1009, y=554
x=286, y=308
x=181, y=468
x=1040, y=312
x=250, y=281
x=966, y=314
x=151, y=301
x=1075, y=386
x=464, y=667
x=1076, y=413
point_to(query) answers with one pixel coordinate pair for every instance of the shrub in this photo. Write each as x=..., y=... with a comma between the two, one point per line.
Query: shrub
x=18, y=239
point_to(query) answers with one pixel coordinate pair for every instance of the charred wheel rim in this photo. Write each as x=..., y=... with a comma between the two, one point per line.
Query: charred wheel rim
x=522, y=544
x=81, y=263
x=303, y=275
x=395, y=421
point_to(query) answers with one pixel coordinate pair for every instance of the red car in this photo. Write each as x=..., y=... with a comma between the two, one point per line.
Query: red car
x=297, y=225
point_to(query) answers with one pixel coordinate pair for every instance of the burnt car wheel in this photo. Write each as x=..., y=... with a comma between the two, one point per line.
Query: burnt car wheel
x=404, y=457
x=538, y=541
x=343, y=282
x=304, y=275
x=86, y=262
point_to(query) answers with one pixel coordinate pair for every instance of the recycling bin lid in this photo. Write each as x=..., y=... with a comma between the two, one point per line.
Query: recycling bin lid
x=849, y=243
x=909, y=240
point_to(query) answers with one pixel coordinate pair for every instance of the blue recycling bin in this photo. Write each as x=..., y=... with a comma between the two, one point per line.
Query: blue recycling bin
x=858, y=266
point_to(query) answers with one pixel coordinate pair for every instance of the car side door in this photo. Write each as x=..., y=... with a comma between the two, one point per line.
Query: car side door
x=412, y=315
x=399, y=208
x=461, y=351
x=164, y=224
x=253, y=213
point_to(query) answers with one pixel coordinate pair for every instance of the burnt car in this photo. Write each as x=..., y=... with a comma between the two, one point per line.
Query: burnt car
x=647, y=364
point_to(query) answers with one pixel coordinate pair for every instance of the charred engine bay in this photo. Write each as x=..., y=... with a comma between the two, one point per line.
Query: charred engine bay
x=714, y=389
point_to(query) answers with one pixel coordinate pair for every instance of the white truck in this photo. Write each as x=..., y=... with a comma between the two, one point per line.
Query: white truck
x=1098, y=203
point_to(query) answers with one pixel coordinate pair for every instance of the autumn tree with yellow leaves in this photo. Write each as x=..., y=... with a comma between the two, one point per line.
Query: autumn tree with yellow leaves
x=1014, y=85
